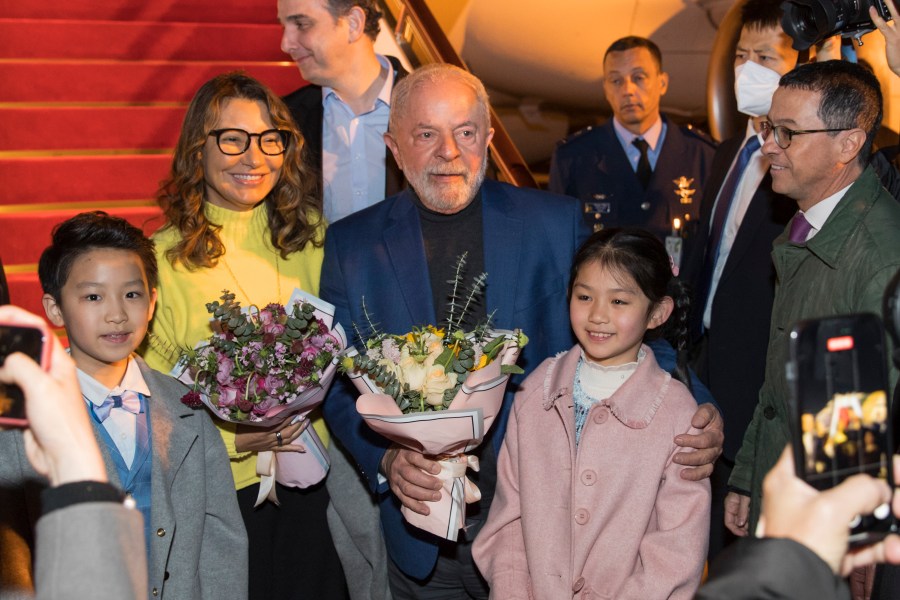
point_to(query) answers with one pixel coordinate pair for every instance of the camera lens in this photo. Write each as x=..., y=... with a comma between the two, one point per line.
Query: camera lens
x=809, y=21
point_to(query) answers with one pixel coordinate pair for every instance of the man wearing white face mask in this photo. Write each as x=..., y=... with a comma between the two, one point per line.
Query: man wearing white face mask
x=730, y=266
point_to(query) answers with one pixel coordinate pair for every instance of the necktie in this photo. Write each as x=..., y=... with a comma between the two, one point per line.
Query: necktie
x=644, y=172
x=130, y=401
x=800, y=228
x=726, y=198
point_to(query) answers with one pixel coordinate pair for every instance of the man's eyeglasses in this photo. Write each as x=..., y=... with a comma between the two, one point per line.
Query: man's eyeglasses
x=236, y=141
x=783, y=135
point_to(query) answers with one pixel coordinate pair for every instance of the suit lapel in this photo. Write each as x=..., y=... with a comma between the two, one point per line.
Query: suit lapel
x=753, y=218
x=394, y=181
x=502, y=251
x=403, y=240
x=721, y=165
x=313, y=117
x=171, y=439
x=615, y=163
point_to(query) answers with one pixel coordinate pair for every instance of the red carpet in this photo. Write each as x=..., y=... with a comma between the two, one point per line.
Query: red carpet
x=191, y=11
x=53, y=179
x=114, y=40
x=84, y=81
x=34, y=228
x=92, y=101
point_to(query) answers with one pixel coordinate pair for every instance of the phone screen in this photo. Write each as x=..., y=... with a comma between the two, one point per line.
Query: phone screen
x=842, y=404
x=29, y=341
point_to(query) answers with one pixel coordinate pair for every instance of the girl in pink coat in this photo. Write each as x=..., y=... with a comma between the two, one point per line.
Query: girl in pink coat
x=589, y=503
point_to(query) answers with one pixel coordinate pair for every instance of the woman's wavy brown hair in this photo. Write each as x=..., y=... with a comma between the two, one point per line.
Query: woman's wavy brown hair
x=294, y=210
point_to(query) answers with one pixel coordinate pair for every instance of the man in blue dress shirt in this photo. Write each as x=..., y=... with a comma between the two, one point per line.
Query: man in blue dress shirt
x=344, y=113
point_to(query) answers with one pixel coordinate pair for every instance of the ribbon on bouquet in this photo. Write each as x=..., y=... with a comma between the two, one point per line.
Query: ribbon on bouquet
x=292, y=468
x=451, y=515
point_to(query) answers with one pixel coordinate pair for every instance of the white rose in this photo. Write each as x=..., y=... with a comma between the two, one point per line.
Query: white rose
x=436, y=383
x=413, y=372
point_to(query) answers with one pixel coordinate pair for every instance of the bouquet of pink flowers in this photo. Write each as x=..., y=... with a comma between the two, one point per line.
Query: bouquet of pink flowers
x=263, y=366
x=437, y=391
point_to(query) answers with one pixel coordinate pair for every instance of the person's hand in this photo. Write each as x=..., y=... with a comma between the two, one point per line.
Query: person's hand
x=708, y=444
x=737, y=513
x=262, y=439
x=891, y=34
x=407, y=473
x=829, y=49
x=820, y=520
x=59, y=440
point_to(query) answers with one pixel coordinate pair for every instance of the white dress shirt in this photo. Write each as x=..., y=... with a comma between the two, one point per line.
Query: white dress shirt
x=820, y=211
x=746, y=189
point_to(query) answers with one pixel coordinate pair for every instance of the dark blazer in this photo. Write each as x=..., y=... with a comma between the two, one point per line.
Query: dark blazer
x=306, y=107
x=734, y=365
x=378, y=254
x=771, y=568
x=592, y=166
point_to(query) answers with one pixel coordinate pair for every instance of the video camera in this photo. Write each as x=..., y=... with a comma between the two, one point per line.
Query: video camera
x=808, y=22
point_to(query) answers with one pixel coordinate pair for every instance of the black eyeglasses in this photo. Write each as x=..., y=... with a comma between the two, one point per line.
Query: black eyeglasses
x=783, y=135
x=236, y=141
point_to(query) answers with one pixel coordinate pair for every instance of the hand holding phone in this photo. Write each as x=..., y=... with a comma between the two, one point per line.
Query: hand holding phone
x=840, y=409
x=32, y=341
x=59, y=440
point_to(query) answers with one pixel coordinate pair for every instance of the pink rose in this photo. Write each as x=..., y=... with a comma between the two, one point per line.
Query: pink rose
x=227, y=396
x=223, y=374
x=264, y=405
x=272, y=384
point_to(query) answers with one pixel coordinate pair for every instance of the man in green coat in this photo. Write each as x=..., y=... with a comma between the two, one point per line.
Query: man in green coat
x=838, y=252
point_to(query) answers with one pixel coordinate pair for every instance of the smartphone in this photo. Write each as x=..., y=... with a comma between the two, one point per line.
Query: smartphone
x=33, y=342
x=840, y=409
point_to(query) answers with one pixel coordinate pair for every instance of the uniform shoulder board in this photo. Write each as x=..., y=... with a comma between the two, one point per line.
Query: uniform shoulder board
x=695, y=132
x=575, y=136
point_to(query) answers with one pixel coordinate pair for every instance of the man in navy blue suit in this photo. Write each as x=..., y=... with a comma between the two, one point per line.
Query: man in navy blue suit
x=399, y=255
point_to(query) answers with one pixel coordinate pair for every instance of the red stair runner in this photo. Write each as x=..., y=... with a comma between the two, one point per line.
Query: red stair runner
x=80, y=179
x=114, y=40
x=89, y=115
x=190, y=11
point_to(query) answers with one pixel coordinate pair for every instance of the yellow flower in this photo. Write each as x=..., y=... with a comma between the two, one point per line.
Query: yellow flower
x=482, y=362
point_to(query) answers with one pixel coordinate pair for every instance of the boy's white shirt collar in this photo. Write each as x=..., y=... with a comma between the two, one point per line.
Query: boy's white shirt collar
x=95, y=392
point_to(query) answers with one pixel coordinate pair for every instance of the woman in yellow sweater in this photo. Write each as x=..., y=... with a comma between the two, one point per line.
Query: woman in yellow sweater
x=241, y=216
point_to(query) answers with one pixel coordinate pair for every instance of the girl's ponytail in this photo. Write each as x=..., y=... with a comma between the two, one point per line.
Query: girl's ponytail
x=677, y=329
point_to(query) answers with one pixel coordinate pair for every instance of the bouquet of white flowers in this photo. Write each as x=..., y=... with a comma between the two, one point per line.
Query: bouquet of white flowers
x=437, y=391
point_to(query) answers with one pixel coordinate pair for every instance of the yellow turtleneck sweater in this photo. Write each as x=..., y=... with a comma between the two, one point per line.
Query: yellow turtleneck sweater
x=253, y=271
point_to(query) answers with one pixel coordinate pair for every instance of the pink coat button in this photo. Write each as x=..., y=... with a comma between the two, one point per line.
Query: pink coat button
x=579, y=583
x=601, y=414
x=588, y=477
x=582, y=516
